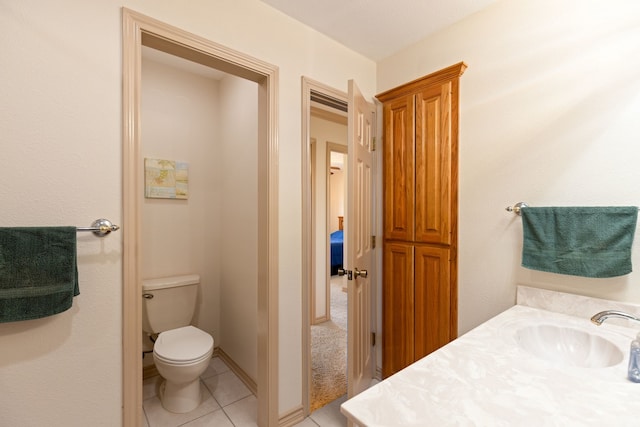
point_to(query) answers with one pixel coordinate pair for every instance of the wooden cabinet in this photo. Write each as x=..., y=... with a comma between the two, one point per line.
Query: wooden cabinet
x=398, y=307
x=420, y=150
x=399, y=168
x=433, y=302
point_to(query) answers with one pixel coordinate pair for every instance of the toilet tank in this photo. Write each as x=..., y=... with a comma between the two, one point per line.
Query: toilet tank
x=168, y=302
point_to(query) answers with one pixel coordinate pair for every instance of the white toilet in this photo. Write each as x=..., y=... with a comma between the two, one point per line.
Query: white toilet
x=181, y=352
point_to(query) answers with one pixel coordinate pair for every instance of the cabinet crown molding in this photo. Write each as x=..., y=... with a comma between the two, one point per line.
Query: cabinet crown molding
x=446, y=74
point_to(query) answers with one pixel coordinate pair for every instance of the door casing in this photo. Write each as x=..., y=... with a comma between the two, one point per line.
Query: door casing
x=141, y=30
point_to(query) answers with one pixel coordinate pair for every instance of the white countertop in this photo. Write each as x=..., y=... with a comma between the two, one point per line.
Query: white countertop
x=484, y=378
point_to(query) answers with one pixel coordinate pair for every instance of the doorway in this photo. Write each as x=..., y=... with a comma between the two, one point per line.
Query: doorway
x=329, y=328
x=138, y=31
x=326, y=107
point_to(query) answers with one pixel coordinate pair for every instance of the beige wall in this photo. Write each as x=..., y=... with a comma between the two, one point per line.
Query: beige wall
x=238, y=303
x=549, y=111
x=60, y=126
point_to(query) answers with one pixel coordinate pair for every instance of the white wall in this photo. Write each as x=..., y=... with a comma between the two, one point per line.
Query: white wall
x=60, y=127
x=549, y=108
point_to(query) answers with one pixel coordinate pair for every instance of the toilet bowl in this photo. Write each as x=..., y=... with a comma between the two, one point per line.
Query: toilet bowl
x=181, y=355
x=181, y=352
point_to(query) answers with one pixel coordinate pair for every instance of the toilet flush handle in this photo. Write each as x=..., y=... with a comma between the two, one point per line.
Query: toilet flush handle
x=147, y=296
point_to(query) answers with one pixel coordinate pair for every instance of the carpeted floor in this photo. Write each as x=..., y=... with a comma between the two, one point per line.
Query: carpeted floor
x=329, y=352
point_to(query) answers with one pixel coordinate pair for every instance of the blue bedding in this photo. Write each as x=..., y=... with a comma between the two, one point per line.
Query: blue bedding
x=337, y=243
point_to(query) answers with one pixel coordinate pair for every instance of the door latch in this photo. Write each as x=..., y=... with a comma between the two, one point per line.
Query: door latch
x=349, y=273
x=355, y=272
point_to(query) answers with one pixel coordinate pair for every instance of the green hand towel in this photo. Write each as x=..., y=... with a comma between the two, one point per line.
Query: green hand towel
x=38, y=272
x=579, y=241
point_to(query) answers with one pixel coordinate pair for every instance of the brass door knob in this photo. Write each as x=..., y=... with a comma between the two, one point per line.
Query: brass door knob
x=361, y=273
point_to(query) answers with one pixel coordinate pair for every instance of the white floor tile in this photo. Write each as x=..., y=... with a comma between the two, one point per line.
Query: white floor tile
x=244, y=412
x=160, y=417
x=150, y=386
x=308, y=422
x=227, y=402
x=329, y=415
x=216, y=367
x=216, y=418
x=227, y=388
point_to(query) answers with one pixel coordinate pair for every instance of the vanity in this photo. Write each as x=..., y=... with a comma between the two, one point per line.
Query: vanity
x=540, y=363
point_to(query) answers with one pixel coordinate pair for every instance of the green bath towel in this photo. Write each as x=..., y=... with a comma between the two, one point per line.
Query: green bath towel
x=579, y=241
x=38, y=272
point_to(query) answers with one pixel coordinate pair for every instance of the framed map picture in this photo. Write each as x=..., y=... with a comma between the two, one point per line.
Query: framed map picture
x=166, y=179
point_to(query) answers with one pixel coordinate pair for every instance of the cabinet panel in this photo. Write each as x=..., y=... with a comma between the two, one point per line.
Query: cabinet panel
x=398, y=166
x=433, y=165
x=398, y=308
x=433, y=299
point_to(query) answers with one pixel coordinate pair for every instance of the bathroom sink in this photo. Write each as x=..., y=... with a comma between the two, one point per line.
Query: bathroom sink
x=568, y=346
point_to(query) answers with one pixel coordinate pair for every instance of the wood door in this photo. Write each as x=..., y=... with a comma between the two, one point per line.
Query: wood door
x=361, y=126
x=433, y=165
x=398, y=164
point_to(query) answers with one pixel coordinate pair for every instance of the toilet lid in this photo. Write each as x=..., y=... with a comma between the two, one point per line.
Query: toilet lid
x=183, y=344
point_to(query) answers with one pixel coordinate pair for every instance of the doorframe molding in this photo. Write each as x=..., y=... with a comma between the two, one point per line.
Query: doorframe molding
x=309, y=85
x=138, y=30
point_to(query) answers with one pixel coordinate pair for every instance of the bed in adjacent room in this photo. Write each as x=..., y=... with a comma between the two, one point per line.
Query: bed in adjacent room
x=336, y=240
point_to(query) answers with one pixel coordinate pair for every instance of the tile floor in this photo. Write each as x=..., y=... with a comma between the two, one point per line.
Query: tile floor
x=226, y=402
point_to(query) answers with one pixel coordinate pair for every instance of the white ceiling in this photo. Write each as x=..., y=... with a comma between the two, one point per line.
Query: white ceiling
x=378, y=28
x=374, y=28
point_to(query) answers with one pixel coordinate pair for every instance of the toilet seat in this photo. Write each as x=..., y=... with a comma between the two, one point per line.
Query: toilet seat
x=183, y=346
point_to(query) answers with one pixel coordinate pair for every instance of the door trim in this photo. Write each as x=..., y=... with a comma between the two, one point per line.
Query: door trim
x=309, y=85
x=138, y=29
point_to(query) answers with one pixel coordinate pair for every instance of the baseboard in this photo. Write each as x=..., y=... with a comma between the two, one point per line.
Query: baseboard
x=246, y=379
x=292, y=417
x=149, y=371
x=320, y=319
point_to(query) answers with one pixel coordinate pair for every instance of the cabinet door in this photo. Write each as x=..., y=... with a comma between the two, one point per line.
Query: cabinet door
x=398, y=308
x=434, y=326
x=398, y=166
x=433, y=165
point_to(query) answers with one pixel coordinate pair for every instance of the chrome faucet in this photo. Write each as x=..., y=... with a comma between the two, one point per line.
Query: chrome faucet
x=598, y=318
